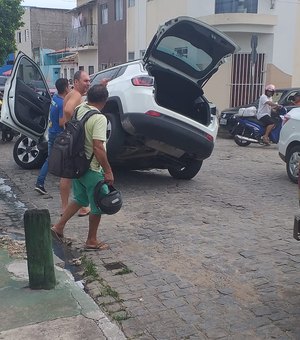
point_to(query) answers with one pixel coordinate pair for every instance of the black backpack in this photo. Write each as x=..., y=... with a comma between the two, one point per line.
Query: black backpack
x=67, y=158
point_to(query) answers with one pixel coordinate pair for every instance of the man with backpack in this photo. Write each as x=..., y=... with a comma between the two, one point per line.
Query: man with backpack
x=99, y=169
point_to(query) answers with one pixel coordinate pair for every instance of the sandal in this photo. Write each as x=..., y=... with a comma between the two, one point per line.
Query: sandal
x=98, y=246
x=58, y=237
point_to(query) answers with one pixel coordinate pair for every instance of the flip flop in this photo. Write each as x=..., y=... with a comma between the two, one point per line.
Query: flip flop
x=82, y=215
x=99, y=246
x=58, y=237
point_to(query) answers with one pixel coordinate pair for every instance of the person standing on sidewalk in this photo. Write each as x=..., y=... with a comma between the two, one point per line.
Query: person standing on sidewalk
x=72, y=100
x=99, y=170
x=56, y=125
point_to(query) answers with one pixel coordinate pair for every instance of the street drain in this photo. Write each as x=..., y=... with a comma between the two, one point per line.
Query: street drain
x=115, y=265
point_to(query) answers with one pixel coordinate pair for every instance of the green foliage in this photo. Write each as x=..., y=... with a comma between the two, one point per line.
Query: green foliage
x=89, y=268
x=11, y=13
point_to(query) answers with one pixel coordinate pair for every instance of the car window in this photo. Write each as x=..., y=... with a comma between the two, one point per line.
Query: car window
x=31, y=76
x=185, y=52
x=107, y=74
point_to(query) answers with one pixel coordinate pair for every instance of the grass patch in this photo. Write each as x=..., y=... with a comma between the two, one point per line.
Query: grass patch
x=120, y=316
x=124, y=271
x=89, y=268
x=111, y=292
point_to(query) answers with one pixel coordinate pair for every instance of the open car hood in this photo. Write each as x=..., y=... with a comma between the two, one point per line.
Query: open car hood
x=189, y=47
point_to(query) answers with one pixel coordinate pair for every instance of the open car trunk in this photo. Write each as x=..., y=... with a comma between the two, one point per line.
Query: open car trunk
x=180, y=95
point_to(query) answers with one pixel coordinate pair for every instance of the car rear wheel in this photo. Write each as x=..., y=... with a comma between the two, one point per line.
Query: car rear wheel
x=292, y=163
x=115, y=135
x=27, y=154
x=187, y=171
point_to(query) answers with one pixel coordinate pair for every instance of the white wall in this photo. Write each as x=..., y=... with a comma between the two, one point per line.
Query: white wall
x=88, y=58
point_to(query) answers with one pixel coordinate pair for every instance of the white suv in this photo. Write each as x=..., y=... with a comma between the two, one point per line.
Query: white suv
x=289, y=143
x=158, y=116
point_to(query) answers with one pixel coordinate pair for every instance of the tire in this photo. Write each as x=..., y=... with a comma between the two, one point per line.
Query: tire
x=241, y=142
x=292, y=163
x=115, y=135
x=188, y=171
x=27, y=154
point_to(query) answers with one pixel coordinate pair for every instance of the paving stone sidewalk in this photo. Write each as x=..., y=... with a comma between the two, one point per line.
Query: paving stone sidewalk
x=211, y=258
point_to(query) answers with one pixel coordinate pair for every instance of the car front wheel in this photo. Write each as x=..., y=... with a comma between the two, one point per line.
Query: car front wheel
x=27, y=154
x=292, y=163
x=187, y=171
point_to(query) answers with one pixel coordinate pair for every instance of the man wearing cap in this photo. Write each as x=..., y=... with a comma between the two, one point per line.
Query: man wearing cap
x=265, y=106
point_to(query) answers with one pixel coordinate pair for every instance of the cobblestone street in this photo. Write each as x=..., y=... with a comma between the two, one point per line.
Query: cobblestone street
x=210, y=258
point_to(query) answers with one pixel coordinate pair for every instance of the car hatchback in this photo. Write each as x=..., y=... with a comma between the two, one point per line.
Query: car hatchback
x=157, y=113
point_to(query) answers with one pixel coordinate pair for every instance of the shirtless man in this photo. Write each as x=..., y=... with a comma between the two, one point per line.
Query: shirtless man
x=71, y=101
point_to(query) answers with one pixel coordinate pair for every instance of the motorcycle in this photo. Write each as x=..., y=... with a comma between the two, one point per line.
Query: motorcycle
x=247, y=130
x=7, y=133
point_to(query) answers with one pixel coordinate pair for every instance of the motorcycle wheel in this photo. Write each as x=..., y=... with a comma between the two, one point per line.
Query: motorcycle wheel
x=7, y=136
x=241, y=142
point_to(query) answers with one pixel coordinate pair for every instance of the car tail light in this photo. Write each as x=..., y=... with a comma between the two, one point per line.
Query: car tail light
x=209, y=137
x=285, y=119
x=142, y=81
x=153, y=113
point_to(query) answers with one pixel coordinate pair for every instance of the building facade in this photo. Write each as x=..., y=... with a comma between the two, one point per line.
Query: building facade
x=267, y=32
x=109, y=32
x=45, y=31
x=98, y=34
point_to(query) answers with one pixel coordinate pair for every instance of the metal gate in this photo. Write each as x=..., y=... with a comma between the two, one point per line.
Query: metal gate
x=247, y=80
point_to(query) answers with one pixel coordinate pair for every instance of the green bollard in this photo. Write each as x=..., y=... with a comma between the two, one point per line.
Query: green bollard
x=39, y=249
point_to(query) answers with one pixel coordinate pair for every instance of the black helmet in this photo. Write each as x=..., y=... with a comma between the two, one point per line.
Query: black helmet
x=109, y=203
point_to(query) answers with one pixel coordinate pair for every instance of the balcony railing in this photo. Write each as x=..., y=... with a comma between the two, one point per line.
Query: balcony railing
x=85, y=36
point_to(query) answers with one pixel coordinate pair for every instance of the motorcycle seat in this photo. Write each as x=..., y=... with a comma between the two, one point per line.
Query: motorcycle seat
x=255, y=120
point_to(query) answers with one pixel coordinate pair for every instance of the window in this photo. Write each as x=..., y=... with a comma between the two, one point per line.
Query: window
x=26, y=34
x=81, y=68
x=104, y=14
x=131, y=3
x=181, y=52
x=72, y=71
x=19, y=37
x=65, y=73
x=236, y=6
x=91, y=70
x=119, y=10
x=130, y=56
x=109, y=74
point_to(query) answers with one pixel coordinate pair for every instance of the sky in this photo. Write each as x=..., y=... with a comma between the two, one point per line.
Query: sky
x=68, y=4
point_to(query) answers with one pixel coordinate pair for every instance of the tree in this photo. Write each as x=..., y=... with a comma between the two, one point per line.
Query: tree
x=11, y=13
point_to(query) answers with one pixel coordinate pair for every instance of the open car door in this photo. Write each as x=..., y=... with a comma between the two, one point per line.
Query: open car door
x=26, y=99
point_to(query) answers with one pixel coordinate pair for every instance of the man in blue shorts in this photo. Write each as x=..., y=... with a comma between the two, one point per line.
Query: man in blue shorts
x=83, y=187
x=56, y=125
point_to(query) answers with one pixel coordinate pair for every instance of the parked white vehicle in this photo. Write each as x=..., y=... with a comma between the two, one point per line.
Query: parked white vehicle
x=158, y=115
x=289, y=143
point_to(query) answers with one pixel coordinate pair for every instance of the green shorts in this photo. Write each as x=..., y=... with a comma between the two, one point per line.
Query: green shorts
x=83, y=190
